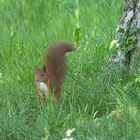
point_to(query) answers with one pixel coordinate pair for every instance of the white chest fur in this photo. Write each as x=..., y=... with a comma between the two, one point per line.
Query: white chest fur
x=44, y=88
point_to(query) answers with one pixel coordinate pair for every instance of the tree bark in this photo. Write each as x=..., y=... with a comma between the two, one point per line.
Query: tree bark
x=127, y=40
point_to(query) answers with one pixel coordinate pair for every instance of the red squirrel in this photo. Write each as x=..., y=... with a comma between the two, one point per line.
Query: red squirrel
x=50, y=77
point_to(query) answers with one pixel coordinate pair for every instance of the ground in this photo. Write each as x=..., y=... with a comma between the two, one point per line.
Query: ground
x=95, y=109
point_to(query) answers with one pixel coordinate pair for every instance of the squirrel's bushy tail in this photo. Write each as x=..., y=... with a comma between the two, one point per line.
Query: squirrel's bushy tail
x=55, y=62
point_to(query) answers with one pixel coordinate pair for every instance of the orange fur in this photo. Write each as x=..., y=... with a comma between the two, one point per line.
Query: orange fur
x=54, y=70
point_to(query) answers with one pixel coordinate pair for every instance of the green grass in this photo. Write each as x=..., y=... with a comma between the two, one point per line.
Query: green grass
x=96, y=110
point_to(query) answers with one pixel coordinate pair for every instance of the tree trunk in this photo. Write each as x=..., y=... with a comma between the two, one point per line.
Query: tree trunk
x=127, y=41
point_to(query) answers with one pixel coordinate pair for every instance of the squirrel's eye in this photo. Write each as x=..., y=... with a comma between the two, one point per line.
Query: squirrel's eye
x=42, y=74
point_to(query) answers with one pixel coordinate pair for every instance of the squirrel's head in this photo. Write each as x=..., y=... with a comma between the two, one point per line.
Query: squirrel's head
x=40, y=74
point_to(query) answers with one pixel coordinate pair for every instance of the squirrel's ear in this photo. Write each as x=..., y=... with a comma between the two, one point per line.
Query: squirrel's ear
x=44, y=68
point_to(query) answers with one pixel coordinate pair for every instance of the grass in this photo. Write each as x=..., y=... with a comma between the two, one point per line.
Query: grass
x=96, y=110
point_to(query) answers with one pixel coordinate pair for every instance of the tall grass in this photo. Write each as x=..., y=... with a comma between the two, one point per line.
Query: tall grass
x=96, y=110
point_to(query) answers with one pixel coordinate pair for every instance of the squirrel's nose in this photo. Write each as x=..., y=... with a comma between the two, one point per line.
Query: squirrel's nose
x=37, y=80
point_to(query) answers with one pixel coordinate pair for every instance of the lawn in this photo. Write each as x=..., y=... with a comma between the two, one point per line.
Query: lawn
x=96, y=109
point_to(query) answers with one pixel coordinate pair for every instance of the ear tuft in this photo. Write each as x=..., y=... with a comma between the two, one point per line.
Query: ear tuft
x=44, y=68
